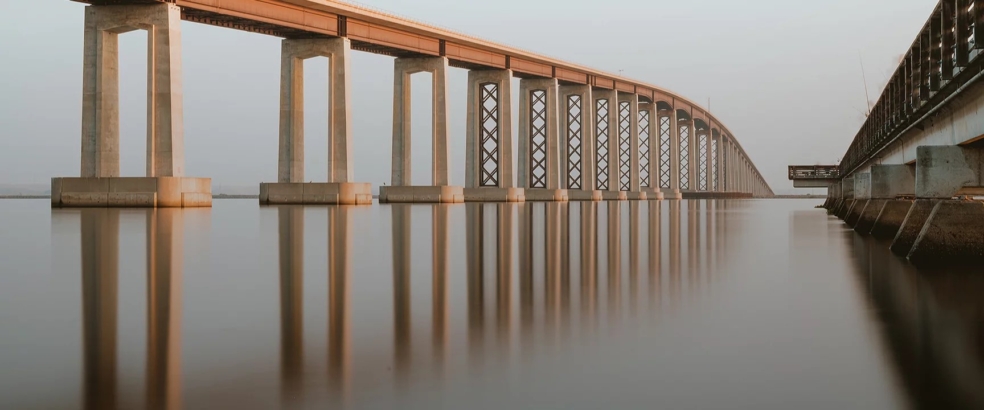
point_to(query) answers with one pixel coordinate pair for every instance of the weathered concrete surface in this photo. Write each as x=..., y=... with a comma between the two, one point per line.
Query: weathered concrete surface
x=948, y=171
x=892, y=181
x=862, y=185
x=495, y=195
x=953, y=234
x=316, y=193
x=132, y=192
x=582, y=195
x=855, y=213
x=915, y=219
x=845, y=208
x=421, y=194
x=890, y=218
x=868, y=216
x=402, y=130
x=546, y=195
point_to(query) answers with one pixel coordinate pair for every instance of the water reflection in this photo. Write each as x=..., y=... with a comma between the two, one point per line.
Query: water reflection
x=100, y=279
x=932, y=325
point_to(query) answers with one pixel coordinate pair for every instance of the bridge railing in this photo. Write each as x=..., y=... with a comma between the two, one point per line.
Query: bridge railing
x=814, y=172
x=943, y=59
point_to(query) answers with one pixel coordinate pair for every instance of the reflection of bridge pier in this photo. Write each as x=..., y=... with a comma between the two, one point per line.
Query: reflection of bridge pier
x=589, y=263
x=633, y=257
x=655, y=250
x=614, y=260
x=100, y=272
x=504, y=272
x=339, y=284
x=291, y=245
x=401, y=292
x=675, y=249
x=100, y=278
x=503, y=278
x=439, y=286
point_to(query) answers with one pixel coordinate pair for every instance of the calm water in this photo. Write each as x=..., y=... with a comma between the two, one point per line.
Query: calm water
x=693, y=304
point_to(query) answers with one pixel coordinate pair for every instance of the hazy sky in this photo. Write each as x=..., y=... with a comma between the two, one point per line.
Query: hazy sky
x=783, y=75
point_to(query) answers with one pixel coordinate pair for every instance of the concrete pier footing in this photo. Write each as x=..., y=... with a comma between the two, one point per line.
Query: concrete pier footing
x=546, y=195
x=422, y=194
x=495, y=195
x=131, y=192
x=634, y=195
x=582, y=195
x=890, y=219
x=612, y=196
x=953, y=233
x=315, y=193
x=853, y=214
x=867, y=217
x=915, y=219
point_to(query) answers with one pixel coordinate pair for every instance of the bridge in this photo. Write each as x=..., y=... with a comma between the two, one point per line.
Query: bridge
x=583, y=134
x=914, y=167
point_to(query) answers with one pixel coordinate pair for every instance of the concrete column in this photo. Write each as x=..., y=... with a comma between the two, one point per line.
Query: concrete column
x=608, y=125
x=290, y=187
x=544, y=125
x=100, y=89
x=709, y=160
x=584, y=131
x=293, y=54
x=943, y=172
x=495, y=182
x=674, y=177
x=633, y=138
x=653, y=191
x=441, y=154
x=688, y=171
x=401, y=189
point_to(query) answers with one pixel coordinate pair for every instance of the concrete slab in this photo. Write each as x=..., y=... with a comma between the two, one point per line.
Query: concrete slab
x=495, y=195
x=582, y=195
x=915, y=219
x=546, y=195
x=953, y=234
x=422, y=194
x=890, y=219
x=867, y=218
x=131, y=192
x=315, y=193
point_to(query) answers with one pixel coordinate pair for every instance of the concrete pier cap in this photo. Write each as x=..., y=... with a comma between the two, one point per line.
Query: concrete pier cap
x=893, y=181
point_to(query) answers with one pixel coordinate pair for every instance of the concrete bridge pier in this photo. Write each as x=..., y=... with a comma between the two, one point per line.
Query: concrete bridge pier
x=649, y=151
x=862, y=193
x=606, y=138
x=578, y=147
x=488, y=144
x=891, y=188
x=539, y=141
x=952, y=231
x=847, y=198
x=290, y=187
x=401, y=190
x=628, y=147
x=99, y=183
x=672, y=191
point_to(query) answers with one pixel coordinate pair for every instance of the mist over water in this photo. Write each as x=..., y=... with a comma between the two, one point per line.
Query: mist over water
x=675, y=304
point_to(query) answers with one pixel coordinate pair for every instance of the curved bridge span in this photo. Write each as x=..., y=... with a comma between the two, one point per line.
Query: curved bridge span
x=584, y=134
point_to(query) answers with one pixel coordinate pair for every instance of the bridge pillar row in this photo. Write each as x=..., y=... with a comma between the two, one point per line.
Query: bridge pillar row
x=939, y=228
x=539, y=140
x=577, y=141
x=401, y=190
x=862, y=195
x=719, y=164
x=488, y=139
x=290, y=187
x=99, y=183
x=628, y=146
x=606, y=139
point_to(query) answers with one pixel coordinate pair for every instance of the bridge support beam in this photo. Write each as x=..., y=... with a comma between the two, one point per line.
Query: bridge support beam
x=606, y=139
x=890, y=185
x=577, y=141
x=290, y=187
x=488, y=144
x=628, y=147
x=99, y=183
x=539, y=141
x=649, y=151
x=673, y=191
x=862, y=194
x=939, y=229
x=401, y=190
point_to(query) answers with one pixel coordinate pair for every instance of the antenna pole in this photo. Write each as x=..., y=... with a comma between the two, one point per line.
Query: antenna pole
x=867, y=100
